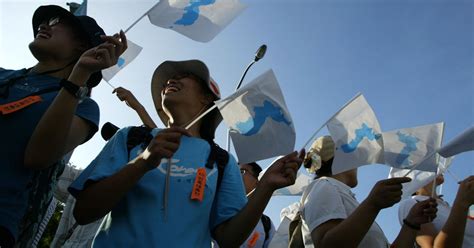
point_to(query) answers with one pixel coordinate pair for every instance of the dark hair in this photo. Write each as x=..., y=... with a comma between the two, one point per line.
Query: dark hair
x=256, y=169
x=324, y=171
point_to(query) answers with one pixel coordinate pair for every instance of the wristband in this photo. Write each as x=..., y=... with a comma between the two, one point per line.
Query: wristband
x=410, y=225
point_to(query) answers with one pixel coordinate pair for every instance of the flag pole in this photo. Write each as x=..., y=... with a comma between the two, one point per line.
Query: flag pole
x=453, y=176
x=141, y=17
x=201, y=116
x=325, y=123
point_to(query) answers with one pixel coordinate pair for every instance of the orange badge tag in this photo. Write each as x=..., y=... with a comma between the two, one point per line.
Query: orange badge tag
x=253, y=240
x=11, y=107
x=199, y=185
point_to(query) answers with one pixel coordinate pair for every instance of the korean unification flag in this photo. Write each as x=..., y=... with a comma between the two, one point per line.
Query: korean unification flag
x=357, y=136
x=407, y=147
x=130, y=54
x=419, y=178
x=200, y=20
x=259, y=122
x=462, y=143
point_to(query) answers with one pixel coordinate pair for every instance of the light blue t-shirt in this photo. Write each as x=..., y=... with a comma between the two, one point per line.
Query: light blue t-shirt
x=138, y=220
x=16, y=181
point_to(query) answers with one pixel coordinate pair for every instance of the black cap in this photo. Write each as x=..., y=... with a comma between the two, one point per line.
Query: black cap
x=108, y=130
x=85, y=24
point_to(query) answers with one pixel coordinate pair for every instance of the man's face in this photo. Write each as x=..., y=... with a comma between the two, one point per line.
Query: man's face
x=249, y=178
x=57, y=39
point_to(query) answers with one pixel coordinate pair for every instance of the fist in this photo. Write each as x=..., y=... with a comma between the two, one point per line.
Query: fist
x=164, y=145
x=282, y=172
x=423, y=212
x=104, y=55
x=387, y=192
x=466, y=191
x=127, y=96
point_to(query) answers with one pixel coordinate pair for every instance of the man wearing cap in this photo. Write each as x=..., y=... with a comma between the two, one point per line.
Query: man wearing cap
x=180, y=189
x=332, y=217
x=45, y=113
x=264, y=231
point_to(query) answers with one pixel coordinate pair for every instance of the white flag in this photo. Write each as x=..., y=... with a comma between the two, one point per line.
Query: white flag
x=301, y=183
x=405, y=148
x=200, y=20
x=419, y=178
x=130, y=54
x=357, y=136
x=259, y=121
x=461, y=143
x=82, y=9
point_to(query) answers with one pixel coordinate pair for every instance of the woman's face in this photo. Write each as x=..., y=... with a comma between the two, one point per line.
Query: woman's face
x=184, y=93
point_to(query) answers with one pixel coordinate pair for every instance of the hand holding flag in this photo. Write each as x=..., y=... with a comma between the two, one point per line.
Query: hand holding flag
x=282, y=172
x=386, y=193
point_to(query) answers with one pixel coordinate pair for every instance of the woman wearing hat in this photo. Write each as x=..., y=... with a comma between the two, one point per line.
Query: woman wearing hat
x=169, y=193
x=45, y=112
x=332, y=217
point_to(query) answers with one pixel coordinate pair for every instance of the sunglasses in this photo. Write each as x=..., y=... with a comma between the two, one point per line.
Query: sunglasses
x=52, y=21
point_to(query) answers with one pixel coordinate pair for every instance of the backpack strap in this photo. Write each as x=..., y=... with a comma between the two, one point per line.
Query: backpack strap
x=267, y=226
x=138, y=135
x=221, y=158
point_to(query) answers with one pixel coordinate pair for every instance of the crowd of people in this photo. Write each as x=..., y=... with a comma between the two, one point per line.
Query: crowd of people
x=172, y=186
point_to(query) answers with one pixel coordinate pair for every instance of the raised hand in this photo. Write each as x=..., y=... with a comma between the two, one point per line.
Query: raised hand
x=387, y=192
x=465, y=193
x=422, y=212
x=104, y=55
x=127, y=96
x=282, y=172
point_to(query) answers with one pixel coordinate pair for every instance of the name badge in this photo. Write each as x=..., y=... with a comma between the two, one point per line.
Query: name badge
x=15, y=106
x=199, y=185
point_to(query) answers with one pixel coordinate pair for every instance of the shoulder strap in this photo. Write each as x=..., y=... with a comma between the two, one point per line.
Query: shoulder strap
x=267, y=225
x=221, y=158
x=138, y=135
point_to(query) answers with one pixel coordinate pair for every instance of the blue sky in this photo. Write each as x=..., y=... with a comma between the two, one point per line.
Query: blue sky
x=412, y=59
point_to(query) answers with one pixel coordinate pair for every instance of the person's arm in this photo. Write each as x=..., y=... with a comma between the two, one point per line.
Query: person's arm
x=425, y=237
x=234, y=232
x=127, y=96
x=354, y=228
x=421, y=213
x=99, y=198
x=452, y=233
x=60, y=130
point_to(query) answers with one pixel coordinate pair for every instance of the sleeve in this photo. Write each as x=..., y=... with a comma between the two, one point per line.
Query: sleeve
x=230, y=197
x=404, y=209
x=322, y=204
x=89, y=111
x=112, y=158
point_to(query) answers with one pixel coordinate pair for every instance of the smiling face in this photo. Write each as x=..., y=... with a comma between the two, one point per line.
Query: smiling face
x=57, y=39
x=184, y=93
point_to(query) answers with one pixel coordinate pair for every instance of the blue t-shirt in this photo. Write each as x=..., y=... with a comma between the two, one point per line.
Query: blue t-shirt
x=138, y=219
x=16, y=129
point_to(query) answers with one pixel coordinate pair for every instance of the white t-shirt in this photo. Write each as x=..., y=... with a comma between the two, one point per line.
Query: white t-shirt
x=256, y=238
x=441, y=217
x=328, y=199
